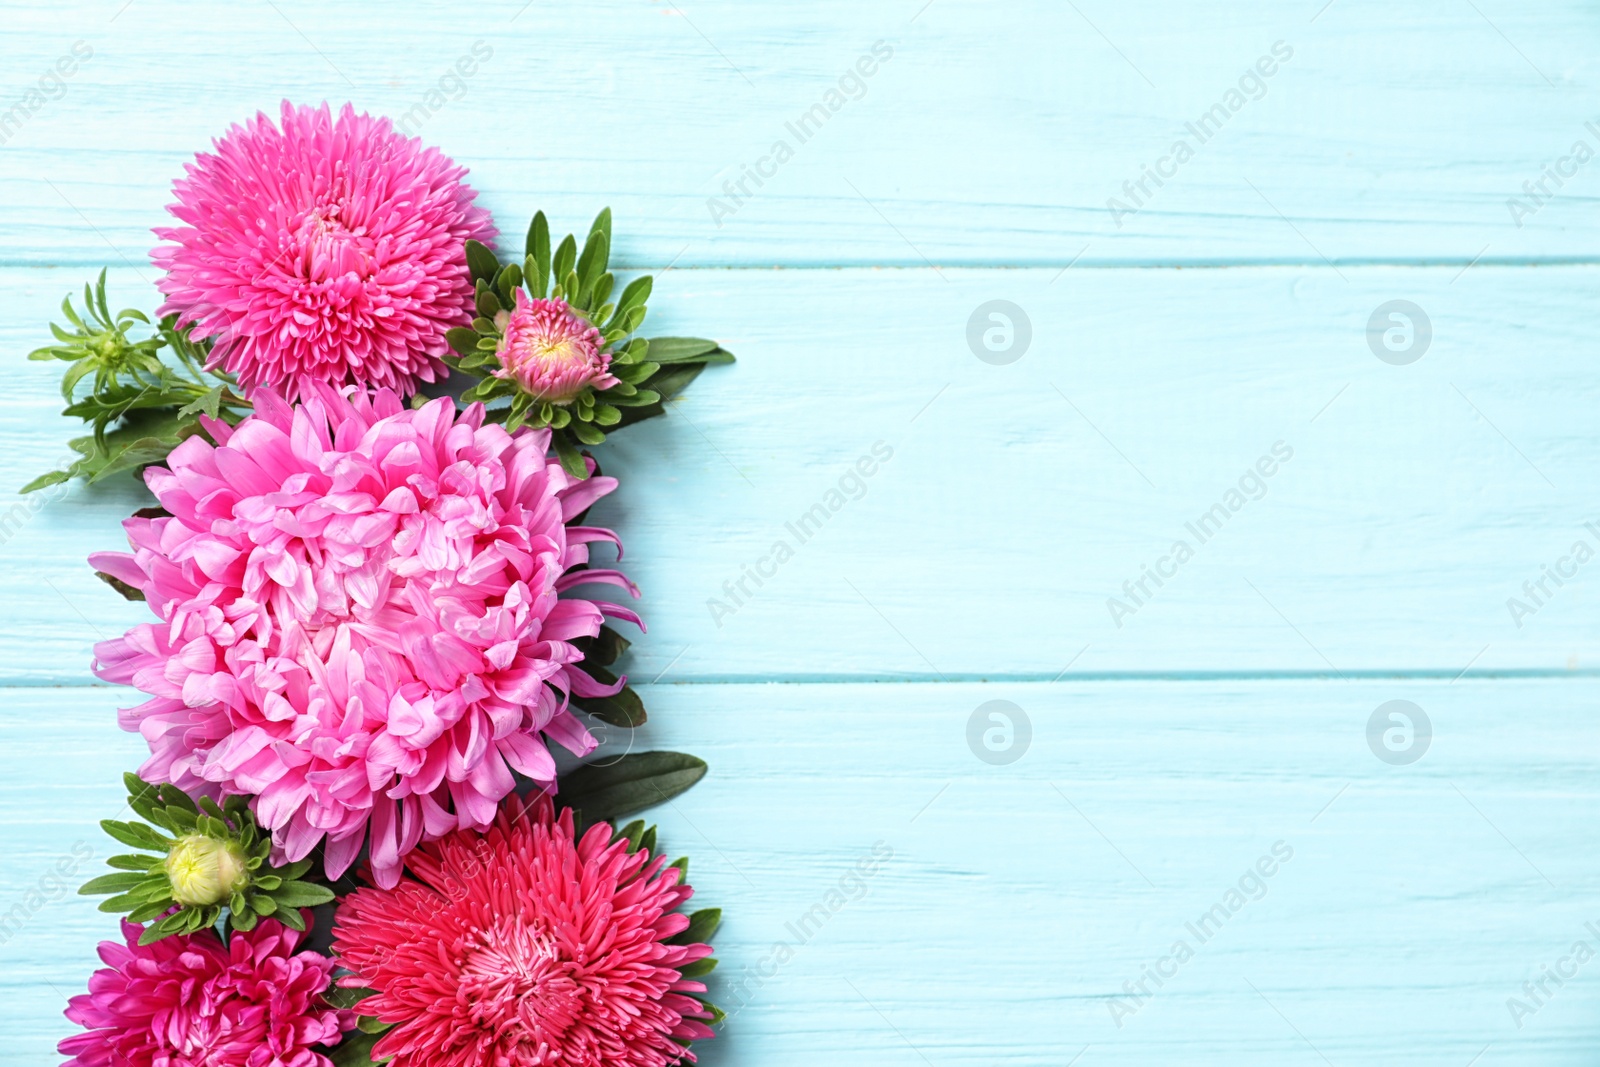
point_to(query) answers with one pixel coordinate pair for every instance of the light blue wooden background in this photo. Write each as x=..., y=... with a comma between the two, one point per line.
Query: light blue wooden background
x=1228, y=314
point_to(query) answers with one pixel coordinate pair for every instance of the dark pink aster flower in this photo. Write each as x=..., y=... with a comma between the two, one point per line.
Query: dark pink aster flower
x=552, y=351
x=191, y=1001
x=327, y=250
x=525, y=945
x=361, y=615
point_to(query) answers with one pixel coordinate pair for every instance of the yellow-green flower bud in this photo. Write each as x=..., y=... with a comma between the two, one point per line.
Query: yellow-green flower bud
x=204, y=870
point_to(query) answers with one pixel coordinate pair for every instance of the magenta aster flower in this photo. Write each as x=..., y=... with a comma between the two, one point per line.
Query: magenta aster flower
x=525, y=945
x=327, y=250
x=552, y=351
x=361, y=622
x=191, y=1001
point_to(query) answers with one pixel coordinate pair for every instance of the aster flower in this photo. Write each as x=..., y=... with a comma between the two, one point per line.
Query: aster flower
x=552, y=352
x=321, y=249
x=216, y=858
x=191, y=1001
x=550, y=343
x=531, y=944
x=361, y=619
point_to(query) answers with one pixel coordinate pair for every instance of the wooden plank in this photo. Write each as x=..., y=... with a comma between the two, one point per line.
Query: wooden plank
x=1392, y=132
x=1020, y=897
x=1019, y=499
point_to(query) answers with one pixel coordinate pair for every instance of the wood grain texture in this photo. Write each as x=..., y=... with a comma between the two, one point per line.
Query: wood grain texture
x=1394, y=132
x=1019, y=499
x=1015, y=900
x=1227, y=713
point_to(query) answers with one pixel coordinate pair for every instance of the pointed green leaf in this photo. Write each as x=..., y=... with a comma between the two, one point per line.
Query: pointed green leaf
x=602, y=791
x=699, y=967
x=136, y=834
x=301, y=895
x=480, y=261
x=679, y=349
x=702, y=924
x=111, y=883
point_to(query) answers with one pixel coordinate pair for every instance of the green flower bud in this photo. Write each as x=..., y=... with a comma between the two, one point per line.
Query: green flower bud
x=205, y=870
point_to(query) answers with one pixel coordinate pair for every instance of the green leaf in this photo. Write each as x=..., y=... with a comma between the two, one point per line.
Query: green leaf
x=128, y=592
x=145, y=912
x=633, y=296
x=295, y=870
x=538, y=249
x=571, y=459
x=702, y=924
x=638, y=780
x=566, y=255
x=603, y=650
x=587, y=434
x=462, y=339
x=173, y=797
x=136, y=834
x=602, y=225
x=132, y=862
x=354, y=1050
x=488, y=304
x=699, y=968
x=53, y=478
x=679, y=349
x=591, y=265
x=480, y=261
x=210, y=402
x=623, y=708
x=632, y=832
x=301, y=895
x=111, y=883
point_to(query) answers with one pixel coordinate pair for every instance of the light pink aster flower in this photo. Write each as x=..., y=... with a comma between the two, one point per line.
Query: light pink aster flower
x=360, y=619
x=527, y=945
x=552, y=351
x=190, y=1001
x=327, y=250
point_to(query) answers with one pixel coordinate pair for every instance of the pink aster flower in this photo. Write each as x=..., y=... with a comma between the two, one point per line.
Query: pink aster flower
x=361, y=621
x=191, y=1001
x=327, y=250
x=552, y=351
x=525, y=945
